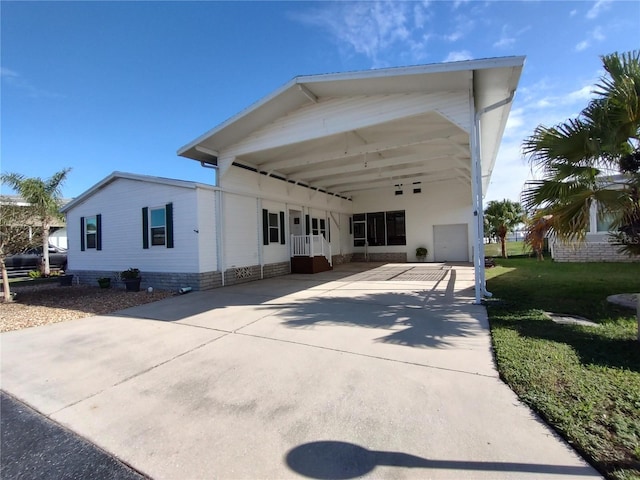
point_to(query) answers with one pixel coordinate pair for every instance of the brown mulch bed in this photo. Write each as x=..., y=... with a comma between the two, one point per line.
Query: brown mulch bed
x=50, y=303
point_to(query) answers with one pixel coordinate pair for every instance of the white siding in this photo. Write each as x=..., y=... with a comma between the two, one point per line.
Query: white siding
x=439, y=203
x=241, y=235
x=246, y=192
x=239, y=180
x=207, y=234
x=120, y=203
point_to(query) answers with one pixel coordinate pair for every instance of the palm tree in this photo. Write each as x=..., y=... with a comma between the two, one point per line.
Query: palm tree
x=502, y=217
x=594, y=157
x=44, y=196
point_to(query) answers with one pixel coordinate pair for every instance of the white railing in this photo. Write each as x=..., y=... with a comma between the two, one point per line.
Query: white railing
x=310, y=246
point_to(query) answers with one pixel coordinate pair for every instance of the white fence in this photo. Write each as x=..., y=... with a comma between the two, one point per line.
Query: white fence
x=310, y=246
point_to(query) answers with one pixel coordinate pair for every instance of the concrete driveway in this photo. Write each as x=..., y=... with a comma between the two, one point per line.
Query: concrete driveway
x=383, y=372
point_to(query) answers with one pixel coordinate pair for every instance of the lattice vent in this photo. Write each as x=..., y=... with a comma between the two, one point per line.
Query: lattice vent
x=243, y=272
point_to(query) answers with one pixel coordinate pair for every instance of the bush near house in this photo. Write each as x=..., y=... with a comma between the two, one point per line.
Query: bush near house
x=584, y=381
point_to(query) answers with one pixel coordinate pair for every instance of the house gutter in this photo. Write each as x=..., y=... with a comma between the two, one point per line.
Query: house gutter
x=476, y=187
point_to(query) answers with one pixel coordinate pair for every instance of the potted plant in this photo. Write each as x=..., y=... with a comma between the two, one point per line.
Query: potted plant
x=131, y=278
x=104, y=282
x=421, y=253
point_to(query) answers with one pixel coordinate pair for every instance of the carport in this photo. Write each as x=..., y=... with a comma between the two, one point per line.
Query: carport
x=352, y=135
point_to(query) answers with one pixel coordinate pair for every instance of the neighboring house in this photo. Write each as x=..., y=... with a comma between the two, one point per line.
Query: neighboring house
x=58, y=231
x=596, y=246
x=327, y=169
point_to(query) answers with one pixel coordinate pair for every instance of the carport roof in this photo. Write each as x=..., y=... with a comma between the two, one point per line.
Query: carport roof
x=421, y=146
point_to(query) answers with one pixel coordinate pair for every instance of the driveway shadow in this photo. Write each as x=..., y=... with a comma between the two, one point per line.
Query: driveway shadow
x=342, y=460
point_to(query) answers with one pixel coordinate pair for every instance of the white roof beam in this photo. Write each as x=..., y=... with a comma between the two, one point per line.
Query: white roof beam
x=337, y=121
x=438, y=135
x=380, y=174
x=308, y=93
x=348, y=190
x=425, y=163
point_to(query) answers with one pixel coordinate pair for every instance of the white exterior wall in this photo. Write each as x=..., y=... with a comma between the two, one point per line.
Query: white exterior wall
x=240, y=233
x=207, y=233
x=246, y=193
x=441, y=203
x=120, y=203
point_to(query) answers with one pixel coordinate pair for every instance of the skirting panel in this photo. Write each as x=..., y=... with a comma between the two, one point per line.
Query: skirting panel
x=169, y=281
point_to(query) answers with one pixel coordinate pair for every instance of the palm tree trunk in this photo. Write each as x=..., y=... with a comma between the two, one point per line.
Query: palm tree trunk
x=46, y=271
x=503, y=246
x=5, y=283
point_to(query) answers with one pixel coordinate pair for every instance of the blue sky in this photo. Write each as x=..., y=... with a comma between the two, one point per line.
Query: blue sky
x=105, y=86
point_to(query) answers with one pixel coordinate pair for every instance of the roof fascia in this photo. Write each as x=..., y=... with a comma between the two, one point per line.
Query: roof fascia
x=499, y=62
x=135, y=177
x=469, y=65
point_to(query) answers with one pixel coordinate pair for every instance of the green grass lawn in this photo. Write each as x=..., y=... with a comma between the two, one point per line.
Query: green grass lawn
x=514, y=249
x=585, y=381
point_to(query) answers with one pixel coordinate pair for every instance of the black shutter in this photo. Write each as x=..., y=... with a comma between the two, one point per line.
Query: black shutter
x=82, y=234
x=99, y=232
x=145, y=227
x=169, y=224
x=282, y=239
x=307, y=225
x=329, y=231
x=265, y=227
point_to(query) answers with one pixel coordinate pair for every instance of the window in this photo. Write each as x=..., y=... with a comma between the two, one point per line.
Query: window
x=379, y=229
x=91, y=232
x=375, y=229
x=157, y=225
x=273, y=227
x=604, y=220
x=158, y=233
x=395, y=228
x=359, y=230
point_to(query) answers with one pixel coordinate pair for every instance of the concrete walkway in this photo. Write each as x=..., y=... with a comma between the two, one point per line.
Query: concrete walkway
x=383, y=372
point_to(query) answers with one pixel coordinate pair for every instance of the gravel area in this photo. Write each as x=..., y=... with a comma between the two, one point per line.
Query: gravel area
x=50, y=303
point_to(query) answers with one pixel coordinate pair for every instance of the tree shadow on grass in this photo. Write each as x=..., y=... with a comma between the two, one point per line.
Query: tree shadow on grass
x=599, y=345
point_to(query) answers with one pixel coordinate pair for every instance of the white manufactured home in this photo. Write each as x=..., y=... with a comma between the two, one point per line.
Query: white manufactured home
x=329, y=168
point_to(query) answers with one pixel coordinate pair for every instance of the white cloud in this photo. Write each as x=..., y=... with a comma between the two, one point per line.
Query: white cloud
x=599, y=7
x=583, y=45
x=463, y=26
x=5, y=72
x=573, y=13
x=372, y=28
x=506, y=39
x=14, y=80
x=458, y=56
x=595, y=34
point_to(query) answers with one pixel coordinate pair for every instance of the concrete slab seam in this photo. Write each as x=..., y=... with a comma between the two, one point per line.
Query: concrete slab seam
x=320, y=347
